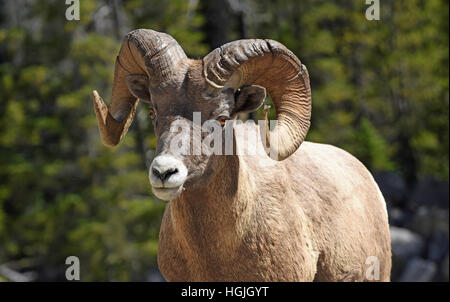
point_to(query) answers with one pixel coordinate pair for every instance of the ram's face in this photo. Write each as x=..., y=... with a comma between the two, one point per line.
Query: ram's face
x=183, y=116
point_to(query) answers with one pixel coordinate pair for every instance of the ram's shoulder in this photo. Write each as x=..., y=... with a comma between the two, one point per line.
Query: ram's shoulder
x=329, y=173
x=327, y=159
x=320, y=149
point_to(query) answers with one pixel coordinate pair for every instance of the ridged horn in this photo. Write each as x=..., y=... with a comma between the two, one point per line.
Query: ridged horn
x=143, y=52
x=270, y=64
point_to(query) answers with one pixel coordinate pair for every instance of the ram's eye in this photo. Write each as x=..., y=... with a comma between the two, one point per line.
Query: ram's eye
x=152, y=113
x=222, y=119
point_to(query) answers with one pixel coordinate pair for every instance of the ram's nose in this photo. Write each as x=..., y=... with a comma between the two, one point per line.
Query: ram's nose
x=167, y=171
x=163, y=175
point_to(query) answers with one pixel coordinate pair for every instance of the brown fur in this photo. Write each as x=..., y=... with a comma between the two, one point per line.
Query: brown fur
x=316, y=216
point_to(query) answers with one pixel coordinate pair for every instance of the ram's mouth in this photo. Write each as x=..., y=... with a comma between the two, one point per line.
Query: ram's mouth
x=167, y=193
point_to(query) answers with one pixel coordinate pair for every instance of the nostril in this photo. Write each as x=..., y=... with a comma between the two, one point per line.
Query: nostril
x=164, y=175
x=168, y=173
x=156, y=173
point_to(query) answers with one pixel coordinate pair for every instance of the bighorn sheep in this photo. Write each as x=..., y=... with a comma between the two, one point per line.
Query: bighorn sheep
x=313, y=214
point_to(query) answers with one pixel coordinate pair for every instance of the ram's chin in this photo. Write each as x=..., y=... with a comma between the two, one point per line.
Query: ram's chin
x=167, y=193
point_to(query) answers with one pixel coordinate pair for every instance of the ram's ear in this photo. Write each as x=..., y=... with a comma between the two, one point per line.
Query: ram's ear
x=138, y=85
x=250, y=98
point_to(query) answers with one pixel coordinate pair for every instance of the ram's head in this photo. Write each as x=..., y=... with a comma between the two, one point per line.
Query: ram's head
x=153, y=68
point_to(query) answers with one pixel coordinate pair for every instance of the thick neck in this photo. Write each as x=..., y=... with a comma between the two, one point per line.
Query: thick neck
x=222, y=207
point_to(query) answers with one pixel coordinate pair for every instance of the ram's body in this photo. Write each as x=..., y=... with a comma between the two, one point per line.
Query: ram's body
x=317, y=215
x=308, y=212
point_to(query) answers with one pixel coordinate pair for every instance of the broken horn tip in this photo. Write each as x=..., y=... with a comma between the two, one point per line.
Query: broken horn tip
x=97, y=98
x=109, y=144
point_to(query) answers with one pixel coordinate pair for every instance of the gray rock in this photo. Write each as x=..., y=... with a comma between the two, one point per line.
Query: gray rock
x=396, y=216
x=438, y=247
x=430, y=192
x=444, y=269
x=392, y=185
x=419, y=270
x=429, y=220
x=15, y=276
x=405, y=244
x=155, y=276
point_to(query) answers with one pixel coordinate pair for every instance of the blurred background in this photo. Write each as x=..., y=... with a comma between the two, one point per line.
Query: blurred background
x=380, y=91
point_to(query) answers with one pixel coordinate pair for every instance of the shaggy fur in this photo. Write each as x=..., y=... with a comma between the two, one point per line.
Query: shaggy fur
x=317, y=216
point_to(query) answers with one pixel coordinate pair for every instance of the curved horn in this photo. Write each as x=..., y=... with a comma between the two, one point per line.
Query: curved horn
x=144, y=52
x=270, y=64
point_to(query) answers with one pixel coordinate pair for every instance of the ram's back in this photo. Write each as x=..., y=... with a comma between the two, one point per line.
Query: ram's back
x=343, y=207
